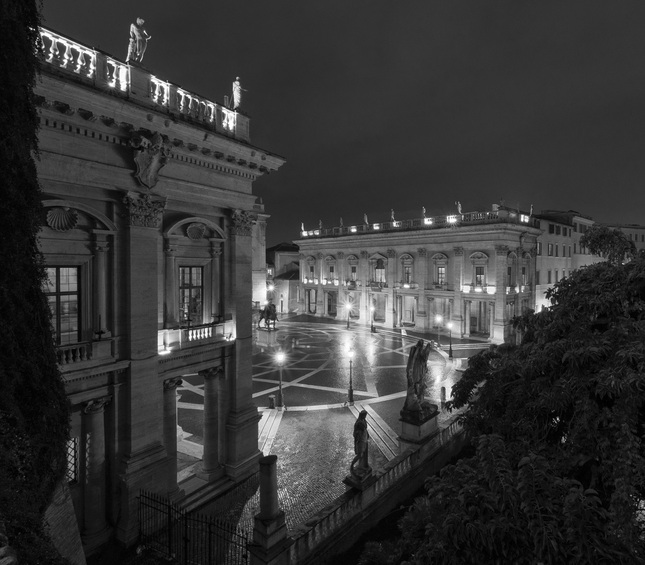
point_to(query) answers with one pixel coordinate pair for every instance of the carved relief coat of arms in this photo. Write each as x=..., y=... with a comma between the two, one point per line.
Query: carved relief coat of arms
x=150, y=155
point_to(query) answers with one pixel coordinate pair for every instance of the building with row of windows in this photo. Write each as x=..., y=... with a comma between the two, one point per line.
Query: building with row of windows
x=467, y=273
x=149, y=244
x=470, y=273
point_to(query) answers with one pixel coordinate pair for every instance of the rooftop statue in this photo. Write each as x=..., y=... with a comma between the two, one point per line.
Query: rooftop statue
x=138, y=42
x=237, y=93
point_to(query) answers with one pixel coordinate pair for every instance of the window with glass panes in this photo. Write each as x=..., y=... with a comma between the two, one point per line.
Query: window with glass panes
x=62, y=290
x=441, y=274
x=407, y=274
x=353, y=272
x=191, y=292
x=379, y=271
x=479, y=276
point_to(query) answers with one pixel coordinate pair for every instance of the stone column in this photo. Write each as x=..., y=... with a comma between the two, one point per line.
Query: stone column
x=491, y=318
x=499, y=322
x=216, y=279
x=422, y=280
x=171, y=298
x=467, y=318
x=210, y=468
x=320, y=294
x=94, y=523
x=100, y=286
x=170, y=429
x=458, y=270
x=242, y=451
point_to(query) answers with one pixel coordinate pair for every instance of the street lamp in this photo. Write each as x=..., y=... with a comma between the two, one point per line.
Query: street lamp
x=350, y=392
x=449, y=325
x=349, y=311
x=438, y=319
x=372, y=318
x=280, y=357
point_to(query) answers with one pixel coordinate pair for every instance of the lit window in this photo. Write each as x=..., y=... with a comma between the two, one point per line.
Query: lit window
x=62, y=290
x=407, y=274
x=441, y=274
x=190, y=294
x=353, y=272
x=479, y=276
x=379, y=271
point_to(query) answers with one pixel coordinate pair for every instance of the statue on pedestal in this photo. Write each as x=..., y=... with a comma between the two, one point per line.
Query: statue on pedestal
x=138, y=42
x=359, y=468
x=237, y=93
x=416, y=407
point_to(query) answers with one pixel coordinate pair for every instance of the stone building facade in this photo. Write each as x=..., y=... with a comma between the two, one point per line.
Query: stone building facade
x=468, y=274
x=151, y=223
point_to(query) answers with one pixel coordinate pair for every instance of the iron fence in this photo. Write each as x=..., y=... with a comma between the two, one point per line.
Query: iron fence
x=187, y=537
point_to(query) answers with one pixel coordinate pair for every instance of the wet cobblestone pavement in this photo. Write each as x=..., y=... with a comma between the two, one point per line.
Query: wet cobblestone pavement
x=313, y=439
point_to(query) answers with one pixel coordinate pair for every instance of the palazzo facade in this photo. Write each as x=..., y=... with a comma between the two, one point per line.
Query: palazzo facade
x=469, y=274
x=151, y=228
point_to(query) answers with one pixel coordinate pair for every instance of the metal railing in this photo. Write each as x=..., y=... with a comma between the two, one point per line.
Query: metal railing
x=189, y=537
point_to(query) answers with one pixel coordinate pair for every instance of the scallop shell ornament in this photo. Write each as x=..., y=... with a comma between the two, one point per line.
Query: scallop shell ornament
x=195, y=231
x=62, y=219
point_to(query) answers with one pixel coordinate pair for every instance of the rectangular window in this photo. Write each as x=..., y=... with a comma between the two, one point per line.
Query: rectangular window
x=537, y=277
x=191, y=294
x=569, y=251
x=557, y=230
x=509, y=274
x=575, y=227
x=479, y=276
x=548, y=276
x=353, y=272
x=524, y=275
x=539, y=248
x=575, y=250
x=407, y=274
x=331, y=271
x=557, y=250
x=441, y=274
x=72, y=460
x=311, y=271
x=550, y=250
x=555, y=278
x=62, y=290
x=551, y=228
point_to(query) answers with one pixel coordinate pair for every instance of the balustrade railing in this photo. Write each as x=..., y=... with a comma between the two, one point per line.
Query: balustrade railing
x=102, y=70
x=74, y=353
x=434, y=222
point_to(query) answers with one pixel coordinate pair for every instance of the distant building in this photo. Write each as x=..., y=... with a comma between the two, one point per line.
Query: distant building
x=474, y=270
x=152, y=230
x=283, y=276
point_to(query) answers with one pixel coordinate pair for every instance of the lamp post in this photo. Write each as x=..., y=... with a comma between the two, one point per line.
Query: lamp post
x=449, y=324
x=279, y=357
x=350, y=392
x=438, y=319
x=349, y=311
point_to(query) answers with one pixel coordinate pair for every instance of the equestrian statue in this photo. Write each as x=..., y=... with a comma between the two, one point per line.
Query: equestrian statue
x=269, y=315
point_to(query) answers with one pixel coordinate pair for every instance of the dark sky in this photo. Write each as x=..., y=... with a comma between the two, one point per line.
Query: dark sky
x=404, y=103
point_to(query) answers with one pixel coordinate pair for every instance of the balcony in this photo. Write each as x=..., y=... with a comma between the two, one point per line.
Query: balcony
x=74, y=356
x=100, y=70
x=170, y=340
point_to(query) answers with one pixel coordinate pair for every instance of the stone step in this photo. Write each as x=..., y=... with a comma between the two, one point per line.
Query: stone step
x=198, y=493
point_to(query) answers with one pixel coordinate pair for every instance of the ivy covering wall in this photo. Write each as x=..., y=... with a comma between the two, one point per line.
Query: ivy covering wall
x=34, y=419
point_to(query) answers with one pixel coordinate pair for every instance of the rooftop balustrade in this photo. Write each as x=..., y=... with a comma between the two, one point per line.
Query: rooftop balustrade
x=425, y=223
x=96, y=68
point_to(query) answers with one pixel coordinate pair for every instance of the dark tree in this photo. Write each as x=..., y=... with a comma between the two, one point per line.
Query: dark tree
x=609, y=243
x=33, y=410
x=558, y=422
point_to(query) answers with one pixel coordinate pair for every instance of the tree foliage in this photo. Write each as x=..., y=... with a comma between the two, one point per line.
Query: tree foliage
x=558, y=421
x=612, y=244
x=33, y=410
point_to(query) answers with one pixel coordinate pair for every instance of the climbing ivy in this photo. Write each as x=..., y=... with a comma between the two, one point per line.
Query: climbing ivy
x=34, y=420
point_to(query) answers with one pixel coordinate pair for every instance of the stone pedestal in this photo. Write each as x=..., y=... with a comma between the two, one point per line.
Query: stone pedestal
x=418, y=426
x=270, y=542
x=360, y=483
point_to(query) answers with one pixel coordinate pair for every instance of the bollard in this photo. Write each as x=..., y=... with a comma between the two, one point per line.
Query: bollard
x=272, y=401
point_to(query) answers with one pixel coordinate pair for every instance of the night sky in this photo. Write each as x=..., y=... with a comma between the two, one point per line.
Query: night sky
x=404, y=103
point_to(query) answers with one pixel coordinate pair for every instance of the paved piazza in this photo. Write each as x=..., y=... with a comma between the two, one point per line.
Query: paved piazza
x=312, y=436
